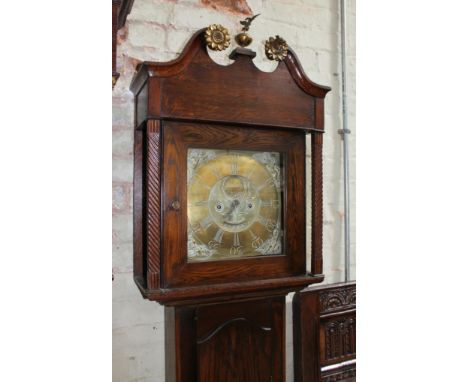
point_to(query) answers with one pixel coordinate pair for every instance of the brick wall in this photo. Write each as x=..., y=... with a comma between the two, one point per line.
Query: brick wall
x=158, y=30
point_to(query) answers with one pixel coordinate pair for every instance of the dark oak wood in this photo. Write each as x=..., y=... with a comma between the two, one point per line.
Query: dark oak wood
x=124, y=11
x=325, y=333
x=139, y=223
x=120, y=11
x=115, y=15
x=178, y=137
x=194, y=87
x=224, y=319
x=317, y=202
x=153, y=205
x=229, y=342
x=244, y=105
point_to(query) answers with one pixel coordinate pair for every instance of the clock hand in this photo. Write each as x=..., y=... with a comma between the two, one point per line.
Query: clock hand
x=234, y=204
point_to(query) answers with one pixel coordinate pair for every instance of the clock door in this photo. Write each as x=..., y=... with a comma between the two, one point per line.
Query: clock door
x=230, y=205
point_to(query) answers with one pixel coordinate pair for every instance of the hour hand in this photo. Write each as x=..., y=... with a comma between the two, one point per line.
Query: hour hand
x=234, y=204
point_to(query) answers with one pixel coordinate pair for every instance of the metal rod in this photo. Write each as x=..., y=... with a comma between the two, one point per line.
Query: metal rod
x=344, y=133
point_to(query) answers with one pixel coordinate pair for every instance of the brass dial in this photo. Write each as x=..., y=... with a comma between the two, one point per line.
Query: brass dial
x=234, y=204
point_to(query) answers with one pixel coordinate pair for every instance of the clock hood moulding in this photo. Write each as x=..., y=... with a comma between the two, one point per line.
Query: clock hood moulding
x=243, y=93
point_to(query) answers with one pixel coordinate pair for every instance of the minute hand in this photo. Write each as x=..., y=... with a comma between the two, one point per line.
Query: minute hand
x=228, y=214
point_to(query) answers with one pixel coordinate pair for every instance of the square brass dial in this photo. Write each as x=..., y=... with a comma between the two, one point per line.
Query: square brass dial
x=234, y=204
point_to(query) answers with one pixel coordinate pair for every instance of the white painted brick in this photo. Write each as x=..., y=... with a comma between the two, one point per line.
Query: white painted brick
x=195, y=17
x=308, y=58
x=324, y=19
x=159, y=12
x=319, y=40
x=122, y=170
x=122, y=114
x=136, y=311
x=122, y=255
x=122, y=228
x=329, y=62
x=135, y=354
x=146, y=34
x=177, y=39
x=122, y=143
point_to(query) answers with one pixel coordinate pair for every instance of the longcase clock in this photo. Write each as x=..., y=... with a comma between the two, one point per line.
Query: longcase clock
x=220, y=207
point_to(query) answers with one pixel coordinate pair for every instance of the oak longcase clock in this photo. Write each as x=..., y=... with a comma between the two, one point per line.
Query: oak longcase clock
x=220, y=205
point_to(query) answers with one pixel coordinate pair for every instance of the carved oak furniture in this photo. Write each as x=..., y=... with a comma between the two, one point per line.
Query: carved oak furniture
x=325, y=333
x=219, y=207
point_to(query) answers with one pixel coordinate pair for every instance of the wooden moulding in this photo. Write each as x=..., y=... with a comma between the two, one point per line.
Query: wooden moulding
x=227, y=291
x=317, y=203
x=194, y=87
x=153, y=210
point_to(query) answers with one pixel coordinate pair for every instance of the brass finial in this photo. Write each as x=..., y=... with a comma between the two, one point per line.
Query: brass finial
x=217, y=37
x=276, y=48
x=243, y=39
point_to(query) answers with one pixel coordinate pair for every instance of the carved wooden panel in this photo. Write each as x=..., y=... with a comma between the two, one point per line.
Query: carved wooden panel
x=325, y=333
x=335, y=299
x=338, y=338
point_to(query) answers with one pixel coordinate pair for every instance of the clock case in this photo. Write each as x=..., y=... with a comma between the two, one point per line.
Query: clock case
x=194, y=102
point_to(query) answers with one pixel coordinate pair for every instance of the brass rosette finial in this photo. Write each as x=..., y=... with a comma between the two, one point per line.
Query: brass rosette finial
x=276, y=48
x=217, y=37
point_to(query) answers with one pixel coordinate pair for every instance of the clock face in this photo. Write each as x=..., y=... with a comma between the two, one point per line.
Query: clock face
x=234, y=204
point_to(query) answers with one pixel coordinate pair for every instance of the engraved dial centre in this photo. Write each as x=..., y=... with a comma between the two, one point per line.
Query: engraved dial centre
x=233, y=203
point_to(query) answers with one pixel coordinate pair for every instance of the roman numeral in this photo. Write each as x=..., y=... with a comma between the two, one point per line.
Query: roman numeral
x=270, y=203
x=256, y=240
x=267, y=223
x=267, y=183
x=219, y=236
x=234, y=167
x=206, y=222
x=236, y=240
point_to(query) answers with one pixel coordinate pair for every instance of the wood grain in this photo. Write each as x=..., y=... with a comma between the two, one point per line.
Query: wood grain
x=317, y=203
x=198, y=103
x=139, y=263
x=153, y=212
x=324, y=330
x=225, y=319
x=194, y=87
x=178, y=137
x=229, y=342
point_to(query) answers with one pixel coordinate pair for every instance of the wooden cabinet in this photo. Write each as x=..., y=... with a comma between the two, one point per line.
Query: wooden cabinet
x=325, y=333
x=219, y=207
